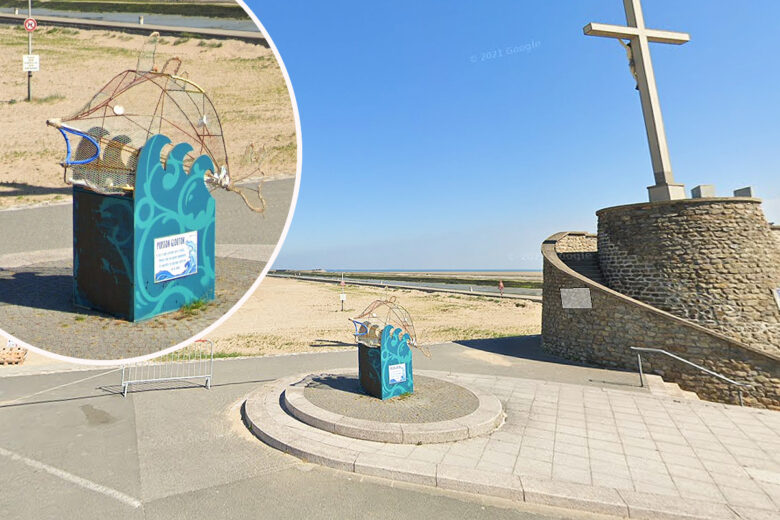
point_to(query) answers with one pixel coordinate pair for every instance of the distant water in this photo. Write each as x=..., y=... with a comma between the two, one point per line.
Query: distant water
x=198, y=22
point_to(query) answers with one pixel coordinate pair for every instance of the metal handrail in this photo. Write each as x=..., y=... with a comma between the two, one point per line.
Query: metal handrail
x=678, y=358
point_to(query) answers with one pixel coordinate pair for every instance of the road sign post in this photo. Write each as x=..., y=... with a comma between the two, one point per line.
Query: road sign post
x=30, y=25
x=343, y=295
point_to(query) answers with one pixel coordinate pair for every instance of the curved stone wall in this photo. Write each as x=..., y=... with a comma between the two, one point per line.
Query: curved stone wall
x=714, y=261
x=601, y=335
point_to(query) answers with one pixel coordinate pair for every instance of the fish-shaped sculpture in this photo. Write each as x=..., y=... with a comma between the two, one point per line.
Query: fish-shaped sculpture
x=370, y=324
x=110, y=130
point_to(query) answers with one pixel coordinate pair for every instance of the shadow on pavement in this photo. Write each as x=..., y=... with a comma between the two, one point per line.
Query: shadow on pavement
x=530, y=348
x=49, y=288
x=21, y=189
x=525, y=347
x=331, y=343
x=343, y=383
x=157, y=386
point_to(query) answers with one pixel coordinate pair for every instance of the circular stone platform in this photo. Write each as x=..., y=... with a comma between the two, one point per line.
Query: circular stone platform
x=437, y=411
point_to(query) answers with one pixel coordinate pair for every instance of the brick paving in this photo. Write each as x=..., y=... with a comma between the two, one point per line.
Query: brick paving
x=602, y=450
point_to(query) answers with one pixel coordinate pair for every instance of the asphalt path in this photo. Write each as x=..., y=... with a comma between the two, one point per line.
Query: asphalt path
x=72, y=448
x=51, y=227
x=400, y=283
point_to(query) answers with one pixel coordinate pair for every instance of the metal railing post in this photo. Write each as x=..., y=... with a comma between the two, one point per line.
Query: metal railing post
x=641, y=374
x=738, y=384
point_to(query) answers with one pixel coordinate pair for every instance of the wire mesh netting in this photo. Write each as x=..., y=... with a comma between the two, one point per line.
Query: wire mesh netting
x=126, y=112
x=110, y=130
x=370, y=323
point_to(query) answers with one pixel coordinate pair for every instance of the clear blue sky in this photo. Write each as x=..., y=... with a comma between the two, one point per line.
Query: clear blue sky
x=422, y=150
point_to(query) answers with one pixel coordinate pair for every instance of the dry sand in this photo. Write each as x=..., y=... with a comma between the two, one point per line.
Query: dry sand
x=243, y=80
x=286, y=315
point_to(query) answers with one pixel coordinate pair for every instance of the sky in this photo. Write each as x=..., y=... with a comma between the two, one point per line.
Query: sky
x=460, y=135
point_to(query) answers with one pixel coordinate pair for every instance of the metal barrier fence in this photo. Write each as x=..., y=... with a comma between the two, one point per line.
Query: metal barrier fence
x=194, y=361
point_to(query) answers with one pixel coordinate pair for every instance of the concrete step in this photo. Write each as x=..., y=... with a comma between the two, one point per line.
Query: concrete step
x=593, y=274
x=659, y=387
x=675, y=390
x=588, y=267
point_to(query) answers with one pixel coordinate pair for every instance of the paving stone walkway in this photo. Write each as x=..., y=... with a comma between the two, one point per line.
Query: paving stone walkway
x=609, y=451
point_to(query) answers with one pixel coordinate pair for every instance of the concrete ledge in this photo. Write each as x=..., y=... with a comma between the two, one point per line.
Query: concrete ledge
x=594, y=499
x=478, y=482
x=395, y=468
x=486, y=418
x=443, y=431
x=380, y=432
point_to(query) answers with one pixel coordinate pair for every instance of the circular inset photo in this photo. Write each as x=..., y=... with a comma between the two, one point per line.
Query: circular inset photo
x=148, y=173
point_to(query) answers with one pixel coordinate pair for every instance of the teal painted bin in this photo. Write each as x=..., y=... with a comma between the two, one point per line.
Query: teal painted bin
x=386, y=371
x=151, y=251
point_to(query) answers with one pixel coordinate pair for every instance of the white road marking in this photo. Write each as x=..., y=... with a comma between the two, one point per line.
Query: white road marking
x=5, y=403
x=64, y=475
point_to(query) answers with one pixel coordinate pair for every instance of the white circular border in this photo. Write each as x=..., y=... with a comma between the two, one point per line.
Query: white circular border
x=253, y=288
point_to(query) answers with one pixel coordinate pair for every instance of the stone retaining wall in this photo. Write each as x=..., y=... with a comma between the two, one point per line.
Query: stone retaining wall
x=603, y=334
x=714, y=261
x=578, y=242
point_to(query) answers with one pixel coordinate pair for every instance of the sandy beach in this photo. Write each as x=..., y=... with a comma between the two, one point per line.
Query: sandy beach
x=286, y=315
x=243, y=81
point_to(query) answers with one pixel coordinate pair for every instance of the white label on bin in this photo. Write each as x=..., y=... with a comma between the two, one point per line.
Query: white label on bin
x=397, y=373
x=175, y=256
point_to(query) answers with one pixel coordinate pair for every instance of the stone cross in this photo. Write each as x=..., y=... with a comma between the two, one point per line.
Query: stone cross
x=639, y=37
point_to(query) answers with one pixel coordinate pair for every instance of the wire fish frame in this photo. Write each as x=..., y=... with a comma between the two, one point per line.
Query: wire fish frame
x=136, y=104
x=380, y=313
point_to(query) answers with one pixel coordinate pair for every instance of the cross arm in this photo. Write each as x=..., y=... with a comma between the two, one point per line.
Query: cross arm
x=618, y=31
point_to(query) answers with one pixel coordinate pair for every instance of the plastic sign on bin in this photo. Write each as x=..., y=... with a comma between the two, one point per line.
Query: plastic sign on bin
x=386, y=371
